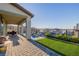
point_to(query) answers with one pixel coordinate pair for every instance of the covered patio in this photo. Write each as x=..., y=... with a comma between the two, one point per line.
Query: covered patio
x=17, y=44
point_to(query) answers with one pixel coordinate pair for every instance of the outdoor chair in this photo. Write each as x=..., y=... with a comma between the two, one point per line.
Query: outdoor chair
x=2, y=44
x=2, y=40
x=13, y=32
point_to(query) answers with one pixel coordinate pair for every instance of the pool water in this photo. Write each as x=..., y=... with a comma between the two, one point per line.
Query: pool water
x=36, y=38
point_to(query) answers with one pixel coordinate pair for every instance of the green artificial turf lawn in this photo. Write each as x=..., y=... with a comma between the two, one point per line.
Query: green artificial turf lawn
x=60, y=47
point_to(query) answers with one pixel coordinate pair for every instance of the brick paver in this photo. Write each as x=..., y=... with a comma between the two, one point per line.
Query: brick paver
x=24, y=48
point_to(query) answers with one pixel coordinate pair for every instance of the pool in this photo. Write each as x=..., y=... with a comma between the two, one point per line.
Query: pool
x=36, y=38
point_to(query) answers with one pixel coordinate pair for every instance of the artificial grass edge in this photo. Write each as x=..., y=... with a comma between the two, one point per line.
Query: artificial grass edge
x=51, y=49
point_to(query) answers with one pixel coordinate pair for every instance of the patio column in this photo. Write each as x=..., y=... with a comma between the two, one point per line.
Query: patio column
x=18, y=29
x=1, y=28
x=28, y=28
x=4, y=29
x=22, y=29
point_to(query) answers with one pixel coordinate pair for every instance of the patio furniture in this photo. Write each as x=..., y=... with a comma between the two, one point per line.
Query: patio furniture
x=2, y=46
x=2, y=40
x=13, y=32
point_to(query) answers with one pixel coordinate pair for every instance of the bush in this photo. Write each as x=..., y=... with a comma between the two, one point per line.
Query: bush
x=75, y=39
x=66, y=37
x=48, y=34
x=58, y=36
x=63, y=37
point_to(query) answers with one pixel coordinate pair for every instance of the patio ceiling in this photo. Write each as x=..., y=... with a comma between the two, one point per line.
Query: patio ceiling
x=12, y=18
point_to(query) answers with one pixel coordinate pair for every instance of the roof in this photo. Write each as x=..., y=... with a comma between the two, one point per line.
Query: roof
x=22, y=9
x=12, y=18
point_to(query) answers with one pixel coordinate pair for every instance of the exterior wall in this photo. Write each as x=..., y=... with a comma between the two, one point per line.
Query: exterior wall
x=76, y=34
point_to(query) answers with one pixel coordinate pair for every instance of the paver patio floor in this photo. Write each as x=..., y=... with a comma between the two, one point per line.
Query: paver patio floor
x=20, y=46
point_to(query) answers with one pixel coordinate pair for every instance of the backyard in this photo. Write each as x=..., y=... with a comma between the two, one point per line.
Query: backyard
x=63, y=48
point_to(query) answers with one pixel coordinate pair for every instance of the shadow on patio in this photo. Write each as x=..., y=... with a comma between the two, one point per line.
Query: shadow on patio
x=14, y=39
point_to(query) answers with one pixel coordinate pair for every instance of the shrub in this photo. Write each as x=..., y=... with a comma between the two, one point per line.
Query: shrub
x=48, y=34
x=63, y=37
x=58, y=36
x=75, y=39
x=66, y=37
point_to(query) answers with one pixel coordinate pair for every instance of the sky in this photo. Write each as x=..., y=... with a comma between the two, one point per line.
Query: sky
x=53, y=15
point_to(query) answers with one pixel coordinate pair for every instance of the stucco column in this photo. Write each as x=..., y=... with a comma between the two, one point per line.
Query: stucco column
x=4, y=28
x=18, y=29
x=22, y=29
x=28, y=28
